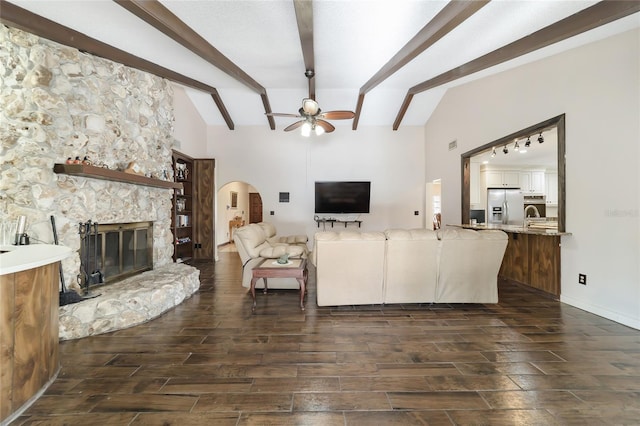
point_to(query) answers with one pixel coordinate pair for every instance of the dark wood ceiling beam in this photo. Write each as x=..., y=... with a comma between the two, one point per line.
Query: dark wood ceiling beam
x=304, y=17
x=25, y=20
x=452, y=15
x=356, y=118
x=161, y=18
x=601, y=13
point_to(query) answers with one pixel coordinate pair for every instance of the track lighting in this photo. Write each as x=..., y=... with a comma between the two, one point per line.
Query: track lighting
x=516, y=147
x=493, y=153
x=540, y=138
x=505, y=150
x=527, y=144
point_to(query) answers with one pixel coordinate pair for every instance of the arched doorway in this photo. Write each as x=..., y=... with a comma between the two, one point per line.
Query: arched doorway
x=239, y=203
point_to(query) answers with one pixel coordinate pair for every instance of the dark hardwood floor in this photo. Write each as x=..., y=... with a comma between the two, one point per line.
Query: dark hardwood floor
x=525, y=361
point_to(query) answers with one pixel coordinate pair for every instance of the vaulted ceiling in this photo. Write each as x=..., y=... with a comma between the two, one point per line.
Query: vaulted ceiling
x=390, y=61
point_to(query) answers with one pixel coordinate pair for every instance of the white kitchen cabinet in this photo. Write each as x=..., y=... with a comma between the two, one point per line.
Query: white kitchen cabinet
x=551, y=188
x=501, y=179
x=532, y=182
x=537, y=182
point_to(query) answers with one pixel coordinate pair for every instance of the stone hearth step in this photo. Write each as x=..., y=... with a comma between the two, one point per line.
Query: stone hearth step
x=130, y=302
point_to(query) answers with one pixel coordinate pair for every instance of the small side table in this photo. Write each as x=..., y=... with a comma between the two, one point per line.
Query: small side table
x=270, y=268
x=234, y=224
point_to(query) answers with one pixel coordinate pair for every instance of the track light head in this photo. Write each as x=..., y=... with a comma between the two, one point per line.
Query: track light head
x=505, y=150
x=516, y=147
x=540, y=138
x=493, y=152
x=527, y=144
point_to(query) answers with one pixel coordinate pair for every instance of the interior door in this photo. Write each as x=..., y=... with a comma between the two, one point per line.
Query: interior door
x=255, y=207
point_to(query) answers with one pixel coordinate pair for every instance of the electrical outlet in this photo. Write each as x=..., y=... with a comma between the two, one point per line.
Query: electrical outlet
x=272, y=213
x=416, y=213
x=582, y=279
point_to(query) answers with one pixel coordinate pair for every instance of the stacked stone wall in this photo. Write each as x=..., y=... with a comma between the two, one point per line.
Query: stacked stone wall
x=57, y=103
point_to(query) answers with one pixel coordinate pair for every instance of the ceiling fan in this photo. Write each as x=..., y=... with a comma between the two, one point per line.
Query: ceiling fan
x=313, y=119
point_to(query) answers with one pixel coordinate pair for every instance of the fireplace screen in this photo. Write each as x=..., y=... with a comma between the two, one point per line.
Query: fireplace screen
x=122, y=250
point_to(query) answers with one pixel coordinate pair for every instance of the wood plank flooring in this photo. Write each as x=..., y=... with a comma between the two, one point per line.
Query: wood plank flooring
x=525, y=361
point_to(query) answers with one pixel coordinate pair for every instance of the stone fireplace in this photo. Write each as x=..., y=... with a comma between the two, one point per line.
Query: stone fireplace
x=59, y=103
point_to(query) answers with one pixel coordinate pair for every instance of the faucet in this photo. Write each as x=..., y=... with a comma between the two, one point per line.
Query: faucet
x=535, y=210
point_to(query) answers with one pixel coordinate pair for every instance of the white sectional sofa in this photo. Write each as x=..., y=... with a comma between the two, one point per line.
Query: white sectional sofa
x=411, y=265
x=408, y=266
x=468, y=266
x=256, y=242
x=350, y=267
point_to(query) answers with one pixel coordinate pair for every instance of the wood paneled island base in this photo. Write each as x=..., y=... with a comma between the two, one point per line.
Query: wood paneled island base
x=28, y=337
x=534, y=261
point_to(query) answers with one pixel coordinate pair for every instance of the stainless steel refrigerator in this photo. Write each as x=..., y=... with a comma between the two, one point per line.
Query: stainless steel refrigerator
x=505, y=206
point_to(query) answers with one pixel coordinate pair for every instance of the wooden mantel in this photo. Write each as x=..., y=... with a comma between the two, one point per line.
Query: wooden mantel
x=94, y=172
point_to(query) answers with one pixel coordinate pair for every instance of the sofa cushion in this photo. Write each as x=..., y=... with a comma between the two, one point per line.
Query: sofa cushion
x=292, y=239
x=410, y=234
x=268, y=228
x=270, y=233
x=274, y=252
x=252, y=238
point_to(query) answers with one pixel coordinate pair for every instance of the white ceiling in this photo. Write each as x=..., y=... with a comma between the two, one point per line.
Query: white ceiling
x=352, y=41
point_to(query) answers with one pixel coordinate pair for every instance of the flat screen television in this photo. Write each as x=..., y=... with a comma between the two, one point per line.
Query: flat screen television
x=342, y=197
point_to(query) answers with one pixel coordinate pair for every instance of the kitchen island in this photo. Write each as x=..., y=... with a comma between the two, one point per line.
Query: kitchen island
x=532, y=257
x=29, y=288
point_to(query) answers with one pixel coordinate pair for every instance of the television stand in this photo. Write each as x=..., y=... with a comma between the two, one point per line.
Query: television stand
x=332, y=221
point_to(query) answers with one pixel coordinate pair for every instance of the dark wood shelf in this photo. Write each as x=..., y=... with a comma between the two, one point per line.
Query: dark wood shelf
x=94, y=172
x=332, y=221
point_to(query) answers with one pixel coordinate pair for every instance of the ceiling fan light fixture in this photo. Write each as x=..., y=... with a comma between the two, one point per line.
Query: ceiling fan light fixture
x=310, y=107
x=305, y=130
x=318, y=129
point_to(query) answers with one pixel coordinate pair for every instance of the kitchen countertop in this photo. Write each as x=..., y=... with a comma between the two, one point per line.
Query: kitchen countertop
x=20, y=258
x=516, y=229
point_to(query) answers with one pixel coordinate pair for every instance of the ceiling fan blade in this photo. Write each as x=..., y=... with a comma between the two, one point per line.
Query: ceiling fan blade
x=280, y=114
x=294, y=125
x=338, y=115
x=328, y=127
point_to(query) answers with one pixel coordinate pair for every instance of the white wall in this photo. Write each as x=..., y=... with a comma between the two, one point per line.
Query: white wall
x=190, y=131
x=275, y=161
x=598, y=88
